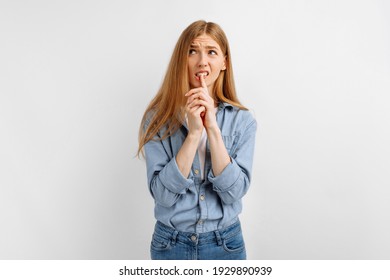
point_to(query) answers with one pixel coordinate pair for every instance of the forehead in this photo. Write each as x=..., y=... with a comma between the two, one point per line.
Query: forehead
x=205, y=41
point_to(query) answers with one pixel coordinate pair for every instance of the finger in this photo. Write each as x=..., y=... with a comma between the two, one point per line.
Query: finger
x=197, y=103
x=191, y=98
x=193, y=110
x=196, y=111
x=200, y=110
x=194, y=97
x=195, y=100
x=193, y=104
x=193, y=91
x=202, y=81
x=200, y=95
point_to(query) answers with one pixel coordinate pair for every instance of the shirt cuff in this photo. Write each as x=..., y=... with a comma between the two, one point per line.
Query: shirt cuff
x=174, y=180
x=224, y=181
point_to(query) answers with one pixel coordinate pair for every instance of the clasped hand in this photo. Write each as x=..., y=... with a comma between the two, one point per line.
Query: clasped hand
x=200, y=108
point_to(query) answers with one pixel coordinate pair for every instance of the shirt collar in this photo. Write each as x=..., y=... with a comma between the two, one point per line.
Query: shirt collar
x=223, y=105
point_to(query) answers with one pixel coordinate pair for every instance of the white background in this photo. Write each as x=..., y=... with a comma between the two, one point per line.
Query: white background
x=76, y=77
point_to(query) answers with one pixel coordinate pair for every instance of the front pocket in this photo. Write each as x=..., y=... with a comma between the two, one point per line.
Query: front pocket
x=160, y=243
x=230, y=142
x=234, y=243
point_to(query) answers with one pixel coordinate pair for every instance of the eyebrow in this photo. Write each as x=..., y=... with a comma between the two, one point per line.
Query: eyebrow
x=207, y=47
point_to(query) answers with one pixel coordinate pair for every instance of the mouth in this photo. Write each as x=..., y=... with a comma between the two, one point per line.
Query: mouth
x=202, y=73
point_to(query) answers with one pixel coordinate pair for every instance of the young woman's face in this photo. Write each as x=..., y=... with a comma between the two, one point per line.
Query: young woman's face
x=205, y=58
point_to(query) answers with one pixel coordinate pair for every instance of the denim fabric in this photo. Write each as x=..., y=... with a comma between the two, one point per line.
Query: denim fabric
x=192, y=204
x=170, y=244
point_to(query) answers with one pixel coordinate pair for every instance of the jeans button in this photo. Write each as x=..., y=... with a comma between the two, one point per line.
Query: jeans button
x=193, y=238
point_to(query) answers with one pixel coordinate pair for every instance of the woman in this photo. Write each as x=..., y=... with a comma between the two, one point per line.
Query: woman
x=198, y=141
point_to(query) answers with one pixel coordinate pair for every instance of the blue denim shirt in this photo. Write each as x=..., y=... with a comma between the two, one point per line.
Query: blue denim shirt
x=192, y=204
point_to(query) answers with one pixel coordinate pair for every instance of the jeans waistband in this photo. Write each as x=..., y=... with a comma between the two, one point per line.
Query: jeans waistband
x=198, y=238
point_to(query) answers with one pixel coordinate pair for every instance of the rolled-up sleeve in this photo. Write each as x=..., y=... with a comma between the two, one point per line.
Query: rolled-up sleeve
x=233, y=182
x=166, y=183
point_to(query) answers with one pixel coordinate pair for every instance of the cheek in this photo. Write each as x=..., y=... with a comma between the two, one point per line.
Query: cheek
x=190, y=75
x=216, y=74
x=192, y=80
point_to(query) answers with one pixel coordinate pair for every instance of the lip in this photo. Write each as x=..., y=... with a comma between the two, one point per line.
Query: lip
x=200, y=72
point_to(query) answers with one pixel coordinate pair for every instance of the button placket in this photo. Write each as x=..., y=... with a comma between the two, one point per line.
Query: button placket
x=200, y=224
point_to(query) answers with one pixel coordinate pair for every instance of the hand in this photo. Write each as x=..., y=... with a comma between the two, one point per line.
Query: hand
x=194, y=118
x=201, y=97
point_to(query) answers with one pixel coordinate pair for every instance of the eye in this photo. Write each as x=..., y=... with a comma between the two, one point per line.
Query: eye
x=192, y=51
x=212, y=52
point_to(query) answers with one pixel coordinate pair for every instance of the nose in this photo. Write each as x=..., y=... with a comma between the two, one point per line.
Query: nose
x=202, y=60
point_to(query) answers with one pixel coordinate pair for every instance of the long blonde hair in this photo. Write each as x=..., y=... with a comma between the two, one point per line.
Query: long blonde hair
x=167, y=107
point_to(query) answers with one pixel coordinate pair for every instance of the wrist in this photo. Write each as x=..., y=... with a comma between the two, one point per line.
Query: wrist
x=194, y=135
x=213, y=130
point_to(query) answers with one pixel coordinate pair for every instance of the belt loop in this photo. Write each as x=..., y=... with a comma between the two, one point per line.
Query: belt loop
x=218, y=236
x=174, y=236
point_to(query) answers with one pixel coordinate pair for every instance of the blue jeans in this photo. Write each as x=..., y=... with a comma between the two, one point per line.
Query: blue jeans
x=170, y=244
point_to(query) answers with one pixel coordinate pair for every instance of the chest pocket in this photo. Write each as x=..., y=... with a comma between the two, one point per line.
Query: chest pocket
x=230, y=142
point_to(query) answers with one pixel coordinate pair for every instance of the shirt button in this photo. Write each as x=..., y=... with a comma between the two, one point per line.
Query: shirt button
x=193, y=238
x=202, y=197
x=200, y=222
x=196, y=171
